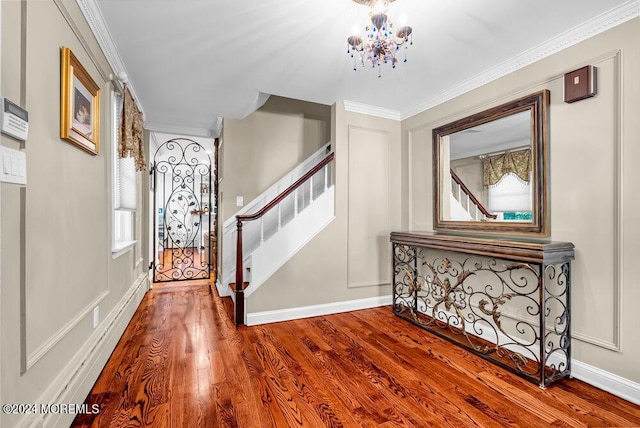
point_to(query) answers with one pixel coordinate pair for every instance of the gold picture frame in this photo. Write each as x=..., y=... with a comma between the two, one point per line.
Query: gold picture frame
x=79, y=104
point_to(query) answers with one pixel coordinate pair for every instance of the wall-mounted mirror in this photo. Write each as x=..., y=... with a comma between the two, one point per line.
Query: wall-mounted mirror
x=490, y=170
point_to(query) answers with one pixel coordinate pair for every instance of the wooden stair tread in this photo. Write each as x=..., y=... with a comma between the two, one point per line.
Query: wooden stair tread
x=232, y=285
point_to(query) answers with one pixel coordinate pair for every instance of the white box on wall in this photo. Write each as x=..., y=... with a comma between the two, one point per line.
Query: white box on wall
x=13, y=166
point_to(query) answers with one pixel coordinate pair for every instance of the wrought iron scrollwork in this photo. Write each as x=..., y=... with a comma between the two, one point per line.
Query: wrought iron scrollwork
x=557, y=340
x=503, y=310
x=182, y=173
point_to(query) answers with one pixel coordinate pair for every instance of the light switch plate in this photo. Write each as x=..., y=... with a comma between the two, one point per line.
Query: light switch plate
x=13, y=166
x=239, y=201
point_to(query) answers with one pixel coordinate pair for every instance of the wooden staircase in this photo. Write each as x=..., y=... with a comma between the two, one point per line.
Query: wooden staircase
x=468, y=201
x=274, y=205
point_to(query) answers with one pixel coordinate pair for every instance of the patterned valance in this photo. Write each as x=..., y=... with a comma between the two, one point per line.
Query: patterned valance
x=131, y=142
x=496, y=167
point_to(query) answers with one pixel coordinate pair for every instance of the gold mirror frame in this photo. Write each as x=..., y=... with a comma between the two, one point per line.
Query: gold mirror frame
x=538, y=104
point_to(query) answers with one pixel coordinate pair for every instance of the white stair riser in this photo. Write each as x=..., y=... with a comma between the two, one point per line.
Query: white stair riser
x=275, y=252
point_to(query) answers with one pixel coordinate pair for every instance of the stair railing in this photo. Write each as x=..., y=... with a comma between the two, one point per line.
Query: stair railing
x=240, y=219
x=471, y=199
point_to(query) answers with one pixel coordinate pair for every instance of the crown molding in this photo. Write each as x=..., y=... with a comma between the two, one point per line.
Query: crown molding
x=93, y=15
x=104, y=73
x=586, y=30
x=217, y=128
x=185, y=130
x=370, y=110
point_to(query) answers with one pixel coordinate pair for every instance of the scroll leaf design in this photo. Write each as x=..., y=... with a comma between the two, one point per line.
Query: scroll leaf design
x=464, y=275
x=496, y=302
x=518, y=359
x=446, y=293
x=472, y=309
x=414, y=285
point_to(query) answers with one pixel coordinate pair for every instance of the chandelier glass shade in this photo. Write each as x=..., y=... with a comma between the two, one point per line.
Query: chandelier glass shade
x=382, y=41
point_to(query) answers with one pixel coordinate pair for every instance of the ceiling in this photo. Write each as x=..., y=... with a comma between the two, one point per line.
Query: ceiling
x=507, y=133
x=192, y=62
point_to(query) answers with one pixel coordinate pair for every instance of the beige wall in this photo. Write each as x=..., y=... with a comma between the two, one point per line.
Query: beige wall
x=56, y=246
x=350, y=258
x=259, y=150
x=593, y=195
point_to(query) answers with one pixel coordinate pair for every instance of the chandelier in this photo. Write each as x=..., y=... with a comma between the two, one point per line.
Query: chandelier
x=381, y=42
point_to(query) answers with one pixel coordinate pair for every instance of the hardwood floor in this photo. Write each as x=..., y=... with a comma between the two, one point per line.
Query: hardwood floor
x=182, y=263
x=183, y=363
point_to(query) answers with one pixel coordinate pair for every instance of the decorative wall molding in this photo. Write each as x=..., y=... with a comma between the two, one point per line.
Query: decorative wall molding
x=381, y=280
x=78, y=377
x=385, y=113
x=98, y=27
x=266, y=317
x=617, y=218
x=618, y=222
x=43, y=349
x=411, y=147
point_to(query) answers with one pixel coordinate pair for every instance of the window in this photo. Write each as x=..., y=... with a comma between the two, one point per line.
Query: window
x=124, y=188
x=511, y=198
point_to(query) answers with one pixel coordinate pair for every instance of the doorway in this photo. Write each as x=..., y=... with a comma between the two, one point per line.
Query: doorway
x=183, y=211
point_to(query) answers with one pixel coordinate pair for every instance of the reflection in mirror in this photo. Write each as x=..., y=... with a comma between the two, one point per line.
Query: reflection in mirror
x=490, y=169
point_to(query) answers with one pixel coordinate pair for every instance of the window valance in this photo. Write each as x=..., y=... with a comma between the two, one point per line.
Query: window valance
x=517, y=163
x=131, y=141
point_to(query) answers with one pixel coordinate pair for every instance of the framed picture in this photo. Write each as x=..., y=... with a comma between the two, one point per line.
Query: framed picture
x=79, y=104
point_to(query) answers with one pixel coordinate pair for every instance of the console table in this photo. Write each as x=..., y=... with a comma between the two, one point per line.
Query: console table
x=507, y=300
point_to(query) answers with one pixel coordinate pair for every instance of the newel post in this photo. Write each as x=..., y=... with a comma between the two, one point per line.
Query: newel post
x=239, y=306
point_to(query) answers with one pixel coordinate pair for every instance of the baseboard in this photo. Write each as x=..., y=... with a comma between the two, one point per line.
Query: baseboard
x=266, y=317
x=223, y=290
x=76, y=380
x=616, y=385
